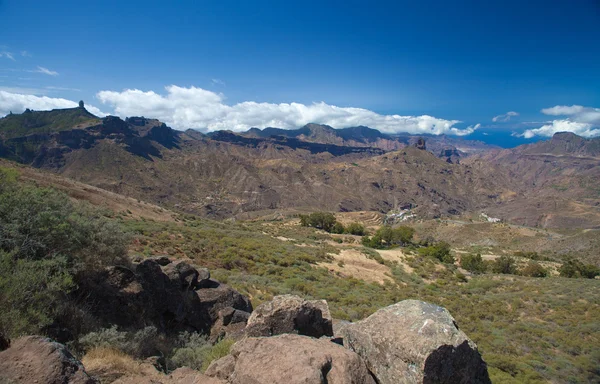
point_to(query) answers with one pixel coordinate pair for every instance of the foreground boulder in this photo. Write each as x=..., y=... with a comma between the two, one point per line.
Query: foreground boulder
x=415, y=342
x=291, y=314
x=35, y=359
x=290, y=359
x=173, y=296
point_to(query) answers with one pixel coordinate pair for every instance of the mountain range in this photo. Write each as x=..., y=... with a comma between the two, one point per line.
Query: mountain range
x=224, y=174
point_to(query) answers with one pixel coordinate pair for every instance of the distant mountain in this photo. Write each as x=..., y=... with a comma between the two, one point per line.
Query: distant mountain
x=556, y=182
x=223, y=174
x=362, y=136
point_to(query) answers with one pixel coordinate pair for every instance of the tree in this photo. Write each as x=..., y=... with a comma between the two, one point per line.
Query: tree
x=338, y=228
x=440, y=251
x=387, y=237
x=505, y=264
x=575, y=268
x=473, y=263
x=319, y=220
x=355, y=229
x=534, y=269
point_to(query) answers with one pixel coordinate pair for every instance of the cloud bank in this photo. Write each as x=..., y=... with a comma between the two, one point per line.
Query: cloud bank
x=505, y=117
x=192, y=107
x=582, y=121
x=17, y=103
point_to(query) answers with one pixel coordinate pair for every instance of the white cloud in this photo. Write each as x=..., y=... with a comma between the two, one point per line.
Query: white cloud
x=583, y=121
x=505, y=117
x=183, y=108
x=25, y=54
x=45, y=71
x=581, y=129
x=217, y=81
x=8, y=55
x=17, y=103
x=559, y=110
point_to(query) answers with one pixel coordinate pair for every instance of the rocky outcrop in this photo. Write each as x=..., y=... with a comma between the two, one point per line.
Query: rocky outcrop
x=35, y=359
x=173, y=296
x=291, y=314
x=231, y=323
x=290, y=359
x=420, y=144
x=415, y=342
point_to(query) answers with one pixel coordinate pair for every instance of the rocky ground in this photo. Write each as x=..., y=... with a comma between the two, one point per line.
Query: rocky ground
x=285, y=340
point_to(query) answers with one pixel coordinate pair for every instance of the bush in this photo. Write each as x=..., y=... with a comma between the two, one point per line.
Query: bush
x=355, y=229
x=473, y=263
x=320, y=220
x=440, y=251
x=46, y=243
x=534, y=269
x=140, y=344
x=32, y=293
x=387, y=237
x=192, y=351
x=197, y=353
x=575, y=268
x=505, y=264
x=338, y=228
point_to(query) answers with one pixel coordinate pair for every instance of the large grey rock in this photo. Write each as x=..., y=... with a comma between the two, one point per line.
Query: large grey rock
x=35, y=359
x=290, y=359
x=415, y=342
x=291, y=314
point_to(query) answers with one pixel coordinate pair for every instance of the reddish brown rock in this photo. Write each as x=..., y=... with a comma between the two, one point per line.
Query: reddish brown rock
x=290, y=359
x=35, y=359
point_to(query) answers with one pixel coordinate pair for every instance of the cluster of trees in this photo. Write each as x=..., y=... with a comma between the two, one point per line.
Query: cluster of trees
x=508, y=265
x=440, y=251
x=387, y=237
x=575, y=268
x=504, y=264
x=327, y=222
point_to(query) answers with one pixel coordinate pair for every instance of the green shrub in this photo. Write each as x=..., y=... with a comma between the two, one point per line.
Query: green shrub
x=534, y=269
x=505, y=264
x=197, y=353
x=320, y=220
x=355, y=229
x=440, y=251
x=140, y=344
x=387, y=237
x=473, y=263
x=32, y=293
x=575, y=268
x=338, y=228
x=191, y=352
x=46, y=243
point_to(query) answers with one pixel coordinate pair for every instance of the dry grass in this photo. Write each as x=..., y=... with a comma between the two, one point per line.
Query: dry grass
x=351, y=262
x=109, y=364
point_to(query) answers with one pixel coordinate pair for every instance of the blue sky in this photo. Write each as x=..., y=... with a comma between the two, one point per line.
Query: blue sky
x=460, y=62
